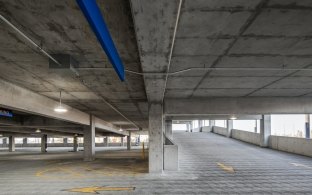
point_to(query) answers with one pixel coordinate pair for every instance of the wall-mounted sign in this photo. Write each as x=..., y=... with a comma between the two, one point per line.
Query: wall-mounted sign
x=7, y=113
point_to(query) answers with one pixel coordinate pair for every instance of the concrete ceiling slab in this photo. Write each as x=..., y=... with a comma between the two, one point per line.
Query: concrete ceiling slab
x=221, y=92
x=282, y=92
x=182, y=82
x=293, y=82
x=235, y=82
x=219, y=4
x=179, y=93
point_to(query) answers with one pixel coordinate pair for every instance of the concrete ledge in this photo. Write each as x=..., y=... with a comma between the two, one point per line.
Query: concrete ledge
x=220, y=130
x=291, y=144
x=171, y=161
x=206, y=129
x=246, y=136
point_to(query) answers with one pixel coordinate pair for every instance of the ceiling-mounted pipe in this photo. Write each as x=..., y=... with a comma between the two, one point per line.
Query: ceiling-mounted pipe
x=45, y=53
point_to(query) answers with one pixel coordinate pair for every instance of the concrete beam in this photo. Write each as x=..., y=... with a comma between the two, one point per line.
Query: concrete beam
x=18, y=98
x=240, y=106
x=186, y=117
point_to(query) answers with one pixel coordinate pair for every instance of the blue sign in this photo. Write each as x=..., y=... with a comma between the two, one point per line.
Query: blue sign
x=93, y=14
x=6, y=113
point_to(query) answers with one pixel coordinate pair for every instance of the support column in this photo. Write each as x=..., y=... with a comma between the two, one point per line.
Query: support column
x=44, y=143
x=105, y=140
x=5, y=141
x=122, y=141
x=155, y=138
x=212, y=123
x=265, y=130
x=75, y=144
x=168, y=128
x=129, y=141
x=256, y=126
x=200, y=125
x=65, y=141
x=229, y=126
x=307, y=126
x=89, y=140
x=24, y=141
x=11, y=144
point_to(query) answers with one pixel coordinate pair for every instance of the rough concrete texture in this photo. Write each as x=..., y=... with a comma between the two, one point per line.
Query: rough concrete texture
x=171, y=159
x=60, y=27
x=291, y=144
x=256, y=170
x=220, y=130
x=246, y=136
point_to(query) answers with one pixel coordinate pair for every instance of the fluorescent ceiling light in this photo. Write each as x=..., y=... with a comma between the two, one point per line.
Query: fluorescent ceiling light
x=60, y=108
x=233, y=117
x=38, y=131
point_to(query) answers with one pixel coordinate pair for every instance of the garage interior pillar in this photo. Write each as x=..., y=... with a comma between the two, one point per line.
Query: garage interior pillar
x=129, y=141
x=168, y=128
x=229, y=126
x=89, y=140
x=122, y=141
x=11, y=144
x=44, y=143
x=105, y=140
x=75, y=143
x=155, y=138
x=265, y=130
x=307, y=126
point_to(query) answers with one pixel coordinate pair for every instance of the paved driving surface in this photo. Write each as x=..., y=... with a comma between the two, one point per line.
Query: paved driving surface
x=209, y=164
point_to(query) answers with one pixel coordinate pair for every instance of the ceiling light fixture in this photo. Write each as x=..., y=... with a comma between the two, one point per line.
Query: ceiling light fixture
x=38, y=131
x=233, y=117
x=120, y=129
x=60, y=108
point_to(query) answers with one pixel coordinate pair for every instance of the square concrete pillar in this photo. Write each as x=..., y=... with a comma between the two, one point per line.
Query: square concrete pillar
x=89, y=140
x=11, y=144
x=24, y=141
x=168, y=128
x=155, y=138
x=307, y=126
x=44, y=143
x=65, y=141
x=75, y=144
x=212, y=123
x=265, y=130
x=229, y=125
x=5, y=140
x=122, y=141
x=129, y=141
x=105, y=140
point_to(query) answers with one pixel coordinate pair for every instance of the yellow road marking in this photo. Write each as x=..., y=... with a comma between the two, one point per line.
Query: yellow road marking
x=226, y=168
x=94, y=190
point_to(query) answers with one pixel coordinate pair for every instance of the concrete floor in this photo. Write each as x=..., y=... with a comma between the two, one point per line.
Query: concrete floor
x=209, y=164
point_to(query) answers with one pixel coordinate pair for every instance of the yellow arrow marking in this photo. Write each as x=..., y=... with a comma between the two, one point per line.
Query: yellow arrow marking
x=226, y=168
x=94, y=190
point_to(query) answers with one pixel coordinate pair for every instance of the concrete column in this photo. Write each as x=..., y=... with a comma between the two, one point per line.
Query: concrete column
x=307, y=126
x=89, y=140
x=122, y=141
x=44, y=143
x=256, y=126
x=65, y=141
x=265, y=130
x=25, y=141
x=11, y=144
x=168, y=128
x=105, y=140
x=229, y=125
x=155, y=138
x=212, y=123
x=129, y=141
x=75, y=144
x=200, y=125
x=5, y=140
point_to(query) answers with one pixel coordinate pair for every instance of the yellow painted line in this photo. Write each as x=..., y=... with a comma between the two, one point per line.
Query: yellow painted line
x=226, y=168
x=94, y=189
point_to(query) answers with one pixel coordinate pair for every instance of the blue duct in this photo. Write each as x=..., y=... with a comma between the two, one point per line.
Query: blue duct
x=93, y=14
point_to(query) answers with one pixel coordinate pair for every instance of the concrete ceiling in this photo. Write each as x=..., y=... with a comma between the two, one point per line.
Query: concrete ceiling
x=242, y=34
x=60, y=27
x=159, y=37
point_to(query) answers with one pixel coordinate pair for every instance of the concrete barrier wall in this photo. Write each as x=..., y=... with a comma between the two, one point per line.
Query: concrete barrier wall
x=219, y=130
x=246, y=136
x=206, y=129
x=65, y=145
x=291, y=144
x=171, y=160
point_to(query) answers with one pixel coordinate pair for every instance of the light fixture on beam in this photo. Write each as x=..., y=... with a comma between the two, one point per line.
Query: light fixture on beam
x=1, y=135
x=38, y=131
x=233, y=117
x=60, y=108
x=120, y=129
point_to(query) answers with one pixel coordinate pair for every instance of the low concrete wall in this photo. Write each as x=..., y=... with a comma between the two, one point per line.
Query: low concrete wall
x=291, y=144
x=66, y=145
x=196, y=129
x=219, y=130
x=171, y=160
x=206, y=129
x=246, y=136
